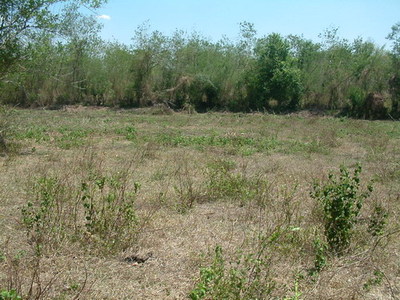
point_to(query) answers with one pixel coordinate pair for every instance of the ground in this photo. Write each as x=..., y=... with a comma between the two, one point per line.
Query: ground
x=240, y=182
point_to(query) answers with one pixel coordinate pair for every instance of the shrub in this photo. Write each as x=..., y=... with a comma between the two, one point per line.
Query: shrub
x=100, y=212
x=341, y=200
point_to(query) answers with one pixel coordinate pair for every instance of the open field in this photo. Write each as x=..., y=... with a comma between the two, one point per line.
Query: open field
x=132, y=204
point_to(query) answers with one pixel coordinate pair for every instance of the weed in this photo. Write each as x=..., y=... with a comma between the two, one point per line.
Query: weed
x=186, y=189
x=129, y=132
x=341, y=201
x=375, y=280
x=100, y=212
x=320, y=260
x=9, y=295
x=224, y=183
x=296, y=292
x=43, y=215
x=71, y=138
x=24, y=278
x=109, y=210
x=37, y=133
x=378, y=220
x=246, y=277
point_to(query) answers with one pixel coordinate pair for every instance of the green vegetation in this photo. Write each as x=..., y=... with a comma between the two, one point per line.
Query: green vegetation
x=342, y=203
x=9, y=295
x=188, y=71
x=100, y=211
x=247, y=277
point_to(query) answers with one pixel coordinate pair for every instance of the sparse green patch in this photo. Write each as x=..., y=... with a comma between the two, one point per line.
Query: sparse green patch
x=71, y=138
x=129, y=132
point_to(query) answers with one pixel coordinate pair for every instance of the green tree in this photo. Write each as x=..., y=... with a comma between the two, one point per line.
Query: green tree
x=19, y=18
x=394, y=36
x=306, y=54
x=276, y=77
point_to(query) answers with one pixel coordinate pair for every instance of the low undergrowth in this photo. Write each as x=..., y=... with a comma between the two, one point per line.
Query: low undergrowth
x=95, y=211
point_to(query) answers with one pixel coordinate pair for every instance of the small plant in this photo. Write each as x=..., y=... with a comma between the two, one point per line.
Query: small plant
x=378, y=220
x=43, y=215
x=375, y=280
x=186, y=190
x=341, y=201
x=224, y=183
x=296, y=292
x=247, y=276
x=71, y=138
x=320, y=256
x=129, y=132
x=9, y=295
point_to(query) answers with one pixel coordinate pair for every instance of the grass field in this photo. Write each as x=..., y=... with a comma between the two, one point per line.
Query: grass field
x=134, y=204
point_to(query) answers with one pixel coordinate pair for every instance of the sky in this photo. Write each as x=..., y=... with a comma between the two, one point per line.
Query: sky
x=370, y=19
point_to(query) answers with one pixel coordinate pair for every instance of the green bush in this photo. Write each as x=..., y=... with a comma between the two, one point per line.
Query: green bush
x=341, y=201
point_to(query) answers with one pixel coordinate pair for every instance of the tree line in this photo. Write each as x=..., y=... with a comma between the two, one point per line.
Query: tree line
x=51, y=59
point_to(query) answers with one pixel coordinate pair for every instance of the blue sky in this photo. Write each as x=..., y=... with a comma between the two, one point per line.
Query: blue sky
x=366, y=18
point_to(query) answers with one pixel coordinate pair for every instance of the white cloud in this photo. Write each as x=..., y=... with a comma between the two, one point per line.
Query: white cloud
x=104, y=17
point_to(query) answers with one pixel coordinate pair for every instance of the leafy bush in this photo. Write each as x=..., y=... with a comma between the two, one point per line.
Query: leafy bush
x=341, y=201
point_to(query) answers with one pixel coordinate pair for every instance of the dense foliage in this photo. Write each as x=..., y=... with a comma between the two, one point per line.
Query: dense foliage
x=49, y=59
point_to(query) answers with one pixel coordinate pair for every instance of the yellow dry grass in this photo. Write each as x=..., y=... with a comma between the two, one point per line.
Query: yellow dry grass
x=171, y=156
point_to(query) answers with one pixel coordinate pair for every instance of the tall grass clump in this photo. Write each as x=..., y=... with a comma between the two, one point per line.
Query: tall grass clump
x=6, y=130
x=224, y=183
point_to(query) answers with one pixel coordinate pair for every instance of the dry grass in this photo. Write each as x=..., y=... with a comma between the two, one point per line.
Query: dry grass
x=271, y=162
